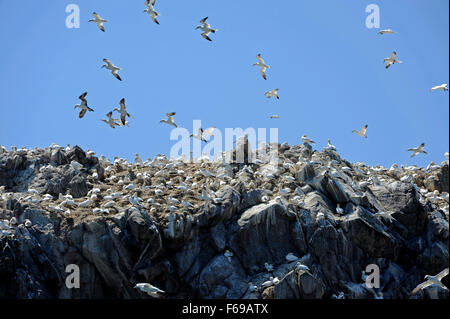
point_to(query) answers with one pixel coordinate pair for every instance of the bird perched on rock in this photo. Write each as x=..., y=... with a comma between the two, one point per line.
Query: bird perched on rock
x=417, y=150
x=83, y=105
x=206, y=28
x=363, y=131
x=151, y=290
x=432, y=280
x=262, y=65
x=99, y=21
x=306, y=140
x=290, y=257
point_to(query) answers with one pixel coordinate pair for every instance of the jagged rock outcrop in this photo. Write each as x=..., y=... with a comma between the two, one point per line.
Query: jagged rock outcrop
x=205, y=230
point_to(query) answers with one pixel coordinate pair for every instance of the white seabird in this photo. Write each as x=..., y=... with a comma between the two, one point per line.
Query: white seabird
x=339, y=209
x=99, y=21
x=391, y=60
x=274, y=116
x=271, y=93
x=417, y=150
x=443, y=87
x=299, y=266
x=387, y=31
x=206, y=28
x=201, y=133
x=110, y=121
x=331, y=146
x=262, y=65
x=169, y=119
x=123, y=112
x=83, y=105
x=114, y=69
x=151, y=11
x=306, y=140
x=432, y=280
x=228, y=254
x=151, y=290
x=290, y=257
x=363, y=131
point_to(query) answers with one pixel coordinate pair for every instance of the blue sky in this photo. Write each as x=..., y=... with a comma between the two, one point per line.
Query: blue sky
x=327, y=64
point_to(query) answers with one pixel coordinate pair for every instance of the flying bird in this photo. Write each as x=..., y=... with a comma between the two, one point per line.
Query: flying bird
x=271, y=93
x=274, y=116
x=206, y=28
x=387, y=31
x=262, y=65
x=417, y=150
x=432, y=280
x=151, y=290
x=391, y=60
x=99, y=21
x=110, y=121
x=443, y=87
x=114, y=69
x=363, y=131
x=83, y=105
x=123, y=112
x=202, y=133
x=151, y=11
x=169, y=119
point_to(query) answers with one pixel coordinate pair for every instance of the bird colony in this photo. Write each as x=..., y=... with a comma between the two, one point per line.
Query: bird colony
x=213, y=229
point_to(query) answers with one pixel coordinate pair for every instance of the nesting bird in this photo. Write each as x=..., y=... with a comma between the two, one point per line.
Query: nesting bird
x=307, y=140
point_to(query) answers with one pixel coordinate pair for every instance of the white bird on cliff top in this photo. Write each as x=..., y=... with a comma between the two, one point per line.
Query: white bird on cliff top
x=307, y=140
x=151, y=290
x=262, y=65
x=391, y=60
x=432, y=280
x=114, y=69
x=443, y=87
x=331, y=146
x=417, y=150
x=206, y=28
x=99, y=21
x=363, y=131
x=169, y=119
x=83, y=105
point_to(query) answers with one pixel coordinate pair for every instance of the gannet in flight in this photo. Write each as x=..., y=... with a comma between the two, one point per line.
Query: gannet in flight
x=363, y=131
x=432, y=280
x=262, y=65
x=201, y=133
x=206, y=28
x=306, y=140
x=83, y=105
x=99, y=21
x=169, y=119
x=274, y=116
x=110, y=121
x=123, y=112
x=273, y=93
x=391, y=60
x=417, y=150
x=114, y=69
x=443, y=87
x=150, y=289
x=151, y=11
x=387, y=31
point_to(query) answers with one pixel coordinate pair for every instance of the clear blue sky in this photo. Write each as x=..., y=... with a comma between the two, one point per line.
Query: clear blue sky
x=326, y=63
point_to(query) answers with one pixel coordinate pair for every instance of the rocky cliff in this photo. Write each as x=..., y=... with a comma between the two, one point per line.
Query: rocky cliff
x=208, y=229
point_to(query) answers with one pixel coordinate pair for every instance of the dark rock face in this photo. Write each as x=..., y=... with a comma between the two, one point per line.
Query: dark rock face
x=215, y=249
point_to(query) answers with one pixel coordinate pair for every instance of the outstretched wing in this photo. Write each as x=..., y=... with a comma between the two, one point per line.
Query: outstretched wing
x=364, y=129
x=442, y=274
x=419, y=287
x=170, y=114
